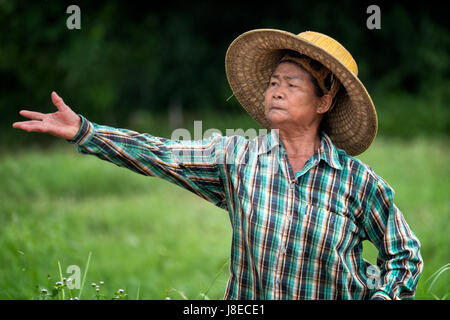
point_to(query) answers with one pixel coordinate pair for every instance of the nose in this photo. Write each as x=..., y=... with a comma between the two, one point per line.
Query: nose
x=278, y=93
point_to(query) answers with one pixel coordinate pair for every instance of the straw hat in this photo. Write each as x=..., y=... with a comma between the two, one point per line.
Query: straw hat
x=253, y=56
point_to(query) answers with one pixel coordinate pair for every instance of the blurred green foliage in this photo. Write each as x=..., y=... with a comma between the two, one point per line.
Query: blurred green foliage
x=130, y=62
x=150, y=234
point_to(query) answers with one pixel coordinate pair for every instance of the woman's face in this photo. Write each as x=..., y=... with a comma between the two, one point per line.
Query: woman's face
x=290, y=99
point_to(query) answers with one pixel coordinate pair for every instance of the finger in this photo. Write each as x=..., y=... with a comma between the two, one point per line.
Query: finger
x=30, y=126
x=32, y=115
x=58, y=101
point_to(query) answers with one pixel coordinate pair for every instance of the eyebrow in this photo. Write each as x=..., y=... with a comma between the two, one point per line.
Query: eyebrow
x=276, y=76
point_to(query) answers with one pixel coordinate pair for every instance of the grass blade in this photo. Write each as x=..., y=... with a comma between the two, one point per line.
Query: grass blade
x=61, y=277
x=138, y=291
x=435, y=276
x=204, y=295
x=85, y=272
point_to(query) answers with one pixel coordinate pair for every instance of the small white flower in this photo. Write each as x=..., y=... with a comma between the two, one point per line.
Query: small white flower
x=120, y=291
x=93, y=284
x=44, y=291
x=101, y=282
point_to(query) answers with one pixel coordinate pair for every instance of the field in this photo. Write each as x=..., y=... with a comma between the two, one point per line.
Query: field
x=156, y=240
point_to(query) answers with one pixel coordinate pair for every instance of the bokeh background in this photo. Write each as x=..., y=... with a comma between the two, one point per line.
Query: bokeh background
x=157, y=67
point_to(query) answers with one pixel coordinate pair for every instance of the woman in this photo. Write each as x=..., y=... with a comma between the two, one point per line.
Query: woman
x=300, y=205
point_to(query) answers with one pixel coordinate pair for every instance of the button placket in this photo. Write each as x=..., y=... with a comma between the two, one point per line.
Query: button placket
x=285, y=236
x=284, y=239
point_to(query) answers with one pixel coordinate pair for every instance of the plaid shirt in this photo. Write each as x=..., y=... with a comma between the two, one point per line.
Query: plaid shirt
x=296, y=235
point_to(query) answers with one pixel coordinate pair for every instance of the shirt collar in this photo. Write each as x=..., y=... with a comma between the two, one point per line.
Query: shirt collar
x=268, y=141
x=328, y=151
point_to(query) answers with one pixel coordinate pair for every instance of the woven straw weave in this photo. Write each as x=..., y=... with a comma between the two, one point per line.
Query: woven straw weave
x=252, y=57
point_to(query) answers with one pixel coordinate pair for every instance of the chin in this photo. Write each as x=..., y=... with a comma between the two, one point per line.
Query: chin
x=275, y=120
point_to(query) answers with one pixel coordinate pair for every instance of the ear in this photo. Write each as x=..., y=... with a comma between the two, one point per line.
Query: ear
x=324, y=103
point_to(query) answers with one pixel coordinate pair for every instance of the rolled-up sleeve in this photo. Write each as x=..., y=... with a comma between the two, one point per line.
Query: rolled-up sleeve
x=192, y=165
x=399, y=257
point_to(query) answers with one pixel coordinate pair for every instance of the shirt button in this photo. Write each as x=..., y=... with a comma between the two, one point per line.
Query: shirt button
x=289, y=218
x=283, y=251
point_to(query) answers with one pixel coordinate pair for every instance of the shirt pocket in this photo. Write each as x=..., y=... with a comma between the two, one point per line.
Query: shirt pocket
x=326, y=236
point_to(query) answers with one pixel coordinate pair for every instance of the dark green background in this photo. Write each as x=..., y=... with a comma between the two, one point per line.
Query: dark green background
x=131, y=60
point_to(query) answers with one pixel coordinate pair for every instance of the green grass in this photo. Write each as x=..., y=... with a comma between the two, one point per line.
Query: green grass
x=156, y=240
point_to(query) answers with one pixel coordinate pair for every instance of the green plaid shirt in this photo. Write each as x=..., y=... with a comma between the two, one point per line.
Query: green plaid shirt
x=296, y=235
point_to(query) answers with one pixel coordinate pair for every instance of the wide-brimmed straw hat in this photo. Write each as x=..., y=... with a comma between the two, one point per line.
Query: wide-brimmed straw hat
x=253, y=56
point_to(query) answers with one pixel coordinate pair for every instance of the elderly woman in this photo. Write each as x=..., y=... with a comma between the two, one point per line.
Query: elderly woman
x=299, y=203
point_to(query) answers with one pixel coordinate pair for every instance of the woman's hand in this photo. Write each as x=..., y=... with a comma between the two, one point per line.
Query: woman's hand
x=62, y=124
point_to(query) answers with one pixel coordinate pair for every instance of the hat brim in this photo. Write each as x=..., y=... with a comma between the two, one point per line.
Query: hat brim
x=253, y=56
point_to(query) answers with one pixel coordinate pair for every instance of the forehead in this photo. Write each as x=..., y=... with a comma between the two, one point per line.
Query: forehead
x=290, y=69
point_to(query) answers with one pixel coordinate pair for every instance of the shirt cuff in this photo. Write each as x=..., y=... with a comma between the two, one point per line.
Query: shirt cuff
x=380, y=295
x=86, y=130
